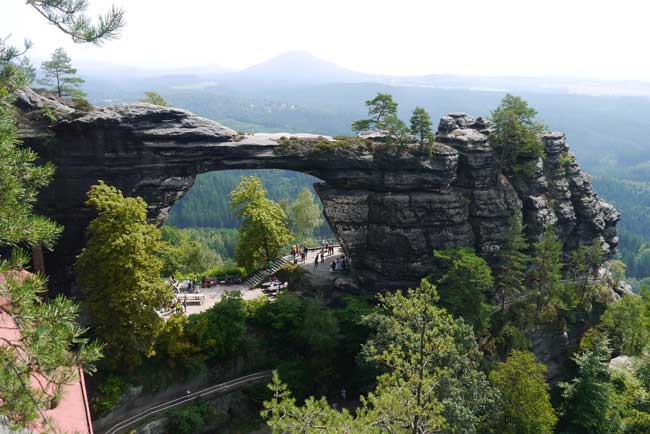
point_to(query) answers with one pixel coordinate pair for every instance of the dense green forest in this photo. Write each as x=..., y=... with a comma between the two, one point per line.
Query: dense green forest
x=207, y=202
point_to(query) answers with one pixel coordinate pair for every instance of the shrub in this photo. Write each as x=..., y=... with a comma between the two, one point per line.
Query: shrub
x=108, y=394
x=292, y=274
x=188, y=420
x=218, y=330
x=82, y=104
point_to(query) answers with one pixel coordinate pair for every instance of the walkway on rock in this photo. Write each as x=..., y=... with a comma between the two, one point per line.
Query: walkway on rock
x=249, y=292
x=228, y=386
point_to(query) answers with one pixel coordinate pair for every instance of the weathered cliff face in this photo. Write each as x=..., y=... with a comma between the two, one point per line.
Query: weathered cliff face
x=388, y=208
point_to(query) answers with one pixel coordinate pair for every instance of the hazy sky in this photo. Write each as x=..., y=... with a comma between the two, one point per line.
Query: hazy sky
x=580, y=38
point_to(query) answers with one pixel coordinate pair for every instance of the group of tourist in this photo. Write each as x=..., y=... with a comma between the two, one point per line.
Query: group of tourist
x=327, y=248
x=176, y=285
x=299, y=254
x=340, y=264
x=178, y=305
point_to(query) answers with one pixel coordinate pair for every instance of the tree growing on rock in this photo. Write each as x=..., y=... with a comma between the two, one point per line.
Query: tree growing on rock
x=383, y=118
x=119, y=274
x=60, y=75
x=421, y=127
x=155, y=99
x=379, y=108
x=463, y=279
x=263, y=230
x=515, y=136
x=511, y=263
x=545, y=275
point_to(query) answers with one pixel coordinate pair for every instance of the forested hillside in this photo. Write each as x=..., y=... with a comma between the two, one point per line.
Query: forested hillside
x=206, y=205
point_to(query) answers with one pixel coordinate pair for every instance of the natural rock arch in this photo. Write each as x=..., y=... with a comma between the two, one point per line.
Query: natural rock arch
x=388, y=208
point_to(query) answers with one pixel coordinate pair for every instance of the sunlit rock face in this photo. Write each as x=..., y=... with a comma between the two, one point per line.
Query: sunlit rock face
x=389, y=208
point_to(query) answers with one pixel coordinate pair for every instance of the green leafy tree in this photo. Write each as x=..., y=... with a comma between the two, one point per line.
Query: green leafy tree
x=511, y=263
x=119, y=274
x=515, y=136
x=432, y=381
x=617, y=268
x=305, y=215
x=182, y=254
x=545, y=275
x=588, y=398
x=627, y=323
x=60, y=75
x=396, y=131
x=583, y=265
x=218, y=330
x=380, y=108
x=524, y=405
x=263, y=231
x=463, y=279
x=154, y=98
x=421, y=127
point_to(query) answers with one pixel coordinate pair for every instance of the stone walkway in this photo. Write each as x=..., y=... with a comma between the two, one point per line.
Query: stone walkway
x=214, y=294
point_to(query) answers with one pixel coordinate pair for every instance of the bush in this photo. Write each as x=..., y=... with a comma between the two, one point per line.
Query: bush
x=218, y=330
x=82, y=104
x=188, y=420
x=108, y=394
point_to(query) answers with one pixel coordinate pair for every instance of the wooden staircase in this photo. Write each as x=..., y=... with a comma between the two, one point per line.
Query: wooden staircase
x=256, y=278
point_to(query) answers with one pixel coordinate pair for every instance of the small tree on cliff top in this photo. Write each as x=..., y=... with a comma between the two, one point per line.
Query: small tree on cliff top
x=515, y=136
x=380, y=108
x=60, y=75
x=421, y=127
x=154, y=98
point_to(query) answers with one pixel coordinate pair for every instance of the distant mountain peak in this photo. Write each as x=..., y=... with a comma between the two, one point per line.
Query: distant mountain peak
x=300, y=67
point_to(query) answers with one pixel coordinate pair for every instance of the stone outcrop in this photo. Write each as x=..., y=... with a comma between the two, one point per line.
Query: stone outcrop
x=389, y=208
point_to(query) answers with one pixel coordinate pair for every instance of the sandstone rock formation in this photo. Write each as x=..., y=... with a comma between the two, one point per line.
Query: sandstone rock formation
x=388, y=208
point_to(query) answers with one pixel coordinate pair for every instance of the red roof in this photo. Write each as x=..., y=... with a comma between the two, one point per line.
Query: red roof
x=72, y=414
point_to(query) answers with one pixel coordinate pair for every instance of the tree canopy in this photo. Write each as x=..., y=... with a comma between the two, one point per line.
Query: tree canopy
x=421, y=127
x=515, y=136
x=524, y=404
x=263, y=231
x=432, y=381
x=60, y=75
x=305, y=215
x=119, y=274
x=154, y=98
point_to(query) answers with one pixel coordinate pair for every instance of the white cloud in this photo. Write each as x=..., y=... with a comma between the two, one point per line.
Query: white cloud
x=594, y=38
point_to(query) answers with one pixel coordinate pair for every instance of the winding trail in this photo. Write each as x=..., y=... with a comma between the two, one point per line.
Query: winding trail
x=228, y=386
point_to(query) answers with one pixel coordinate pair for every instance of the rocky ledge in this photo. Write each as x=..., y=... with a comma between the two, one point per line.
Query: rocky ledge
x=388, y=207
